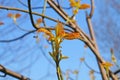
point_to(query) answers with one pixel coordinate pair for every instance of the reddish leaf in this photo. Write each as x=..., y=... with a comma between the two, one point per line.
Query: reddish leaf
x=1, y=23
x=84, y=6
x=71, y=36
x=17, y=15
x=39, y=20
x=10, y=15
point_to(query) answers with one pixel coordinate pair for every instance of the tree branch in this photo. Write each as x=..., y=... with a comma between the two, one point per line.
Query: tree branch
x=89, y=23
x=18, y=38
x=26, y=11
x=30, y=13
x=40, y=7
x=11, y=73
x=76, y=27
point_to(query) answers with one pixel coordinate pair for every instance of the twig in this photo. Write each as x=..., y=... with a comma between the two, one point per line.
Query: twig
x=85, y=37
x=116, y=72
x=30, y=13
x=92, y=8
x=90, y=67
x=40, y=7
x=88, y=19
x=26, y=11
x=18, y=38
x=13, y=74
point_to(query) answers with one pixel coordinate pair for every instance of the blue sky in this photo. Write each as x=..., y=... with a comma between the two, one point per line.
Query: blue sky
x=25, y=56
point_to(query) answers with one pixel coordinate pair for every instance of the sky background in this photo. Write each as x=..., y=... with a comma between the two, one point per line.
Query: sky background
x=31, y=58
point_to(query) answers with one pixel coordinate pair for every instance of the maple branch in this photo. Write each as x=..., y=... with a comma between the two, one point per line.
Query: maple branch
x=11, y=73
x=18, y=38
x=30, y=14
x=76, y=27
x=91, y=31
x=40, y=7
x=116, y=72
x=32, y=31
x=92, y=8
x=88, y=19
x=35, y=13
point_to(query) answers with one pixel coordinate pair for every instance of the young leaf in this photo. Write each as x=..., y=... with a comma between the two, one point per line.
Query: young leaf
x=1, y=23
x=63, y=57
x=59, y=30
x=84, y=6
x=38, y=22
x=10, y=15
x=14, y=16
x=51, y=36
x=107, y=65
x=113, y=56
x=71, y=36
x=17, y=15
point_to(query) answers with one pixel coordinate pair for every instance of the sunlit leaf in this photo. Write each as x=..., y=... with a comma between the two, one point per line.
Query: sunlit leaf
x=63, y=57
x=77, y=5
x=59, y=29
x=17, y=15
x=46, y=32
x=75, y=11
x=38, y=22
x=71, y=36
x=107, y=64
x=10, y=15
x=84, y=6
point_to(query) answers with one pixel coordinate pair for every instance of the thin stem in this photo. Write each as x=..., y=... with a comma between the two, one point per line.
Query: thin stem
x=59, y=73
x=35, y=13
x=30, y=13
x=43, y=12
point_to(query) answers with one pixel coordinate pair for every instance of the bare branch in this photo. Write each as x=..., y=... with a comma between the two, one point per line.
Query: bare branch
x=30, y=13
x=40, y=7
x=11, y=73
x=18, y=38
x=26, y=11
x=92, y=9
x=86, y=40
